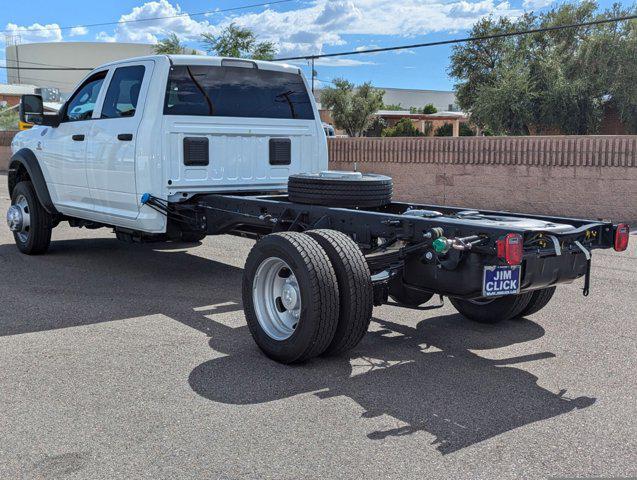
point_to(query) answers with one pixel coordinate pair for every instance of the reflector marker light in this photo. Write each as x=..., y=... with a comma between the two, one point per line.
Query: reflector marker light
x=511, y=248
x=621, y=237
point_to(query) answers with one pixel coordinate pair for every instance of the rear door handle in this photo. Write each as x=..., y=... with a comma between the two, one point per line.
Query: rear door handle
x=78, y=138
x=125, y=137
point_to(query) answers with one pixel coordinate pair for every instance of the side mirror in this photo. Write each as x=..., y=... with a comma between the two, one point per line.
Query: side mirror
x=32, y=111
x=30, y=105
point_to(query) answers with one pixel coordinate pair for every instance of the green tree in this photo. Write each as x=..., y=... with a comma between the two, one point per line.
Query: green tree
x=8, y=119
x=403, y=128
x=446, y=130
x=429, y=109
x=376, y=127
x=352, y=107
x=171, y=45
x=238, y=42
x=466, y=130
x=393, y=107
x=549, y=81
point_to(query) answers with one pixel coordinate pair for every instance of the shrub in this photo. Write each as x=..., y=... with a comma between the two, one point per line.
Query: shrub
x=445, y=130
x=403, y=128
x=429, y=109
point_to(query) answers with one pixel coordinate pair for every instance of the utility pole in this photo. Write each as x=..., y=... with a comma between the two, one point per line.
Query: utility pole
x=13, y=41
x=313, y=72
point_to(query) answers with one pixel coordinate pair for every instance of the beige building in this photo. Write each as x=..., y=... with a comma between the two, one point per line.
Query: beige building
x=28, y=56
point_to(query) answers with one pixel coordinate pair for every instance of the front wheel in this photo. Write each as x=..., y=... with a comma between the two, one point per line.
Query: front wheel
x=492, y=310
x=290, y=297
x=30, y=223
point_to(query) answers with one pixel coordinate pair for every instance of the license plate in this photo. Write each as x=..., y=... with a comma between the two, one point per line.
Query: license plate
x=501, y=280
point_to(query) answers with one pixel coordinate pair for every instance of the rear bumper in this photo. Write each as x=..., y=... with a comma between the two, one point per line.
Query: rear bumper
x=465, y=280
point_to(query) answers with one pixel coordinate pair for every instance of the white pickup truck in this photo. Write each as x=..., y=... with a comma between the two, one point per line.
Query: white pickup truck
x=179, y=147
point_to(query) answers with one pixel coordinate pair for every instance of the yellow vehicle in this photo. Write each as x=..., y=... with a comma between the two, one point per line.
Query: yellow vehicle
x=24, y=125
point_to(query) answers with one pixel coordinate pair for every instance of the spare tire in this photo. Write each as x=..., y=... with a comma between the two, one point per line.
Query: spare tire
x=340, y=189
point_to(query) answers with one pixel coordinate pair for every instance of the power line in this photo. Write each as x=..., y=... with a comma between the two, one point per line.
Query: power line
x=48, y=68
x=210, y=12
x=384, y=49
x=36, y=63
x=461, y=40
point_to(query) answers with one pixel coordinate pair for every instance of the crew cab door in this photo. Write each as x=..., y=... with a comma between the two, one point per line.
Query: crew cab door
x=62, y=150
x=110, y=162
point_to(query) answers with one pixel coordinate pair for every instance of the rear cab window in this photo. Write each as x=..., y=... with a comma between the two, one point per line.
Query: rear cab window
x=123, y=92
x=225, y=91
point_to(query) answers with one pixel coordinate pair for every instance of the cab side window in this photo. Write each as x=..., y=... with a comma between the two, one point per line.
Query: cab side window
x=123, y=92
x=82, y=103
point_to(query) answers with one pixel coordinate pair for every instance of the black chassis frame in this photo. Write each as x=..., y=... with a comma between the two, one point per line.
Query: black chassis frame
x=400, y=246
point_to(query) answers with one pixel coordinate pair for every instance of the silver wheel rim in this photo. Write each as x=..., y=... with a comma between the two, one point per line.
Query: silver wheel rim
x=20, y=220
x=277, y=298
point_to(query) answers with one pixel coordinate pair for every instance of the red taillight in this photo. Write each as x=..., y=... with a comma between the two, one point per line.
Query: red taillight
x=621, y=237
x=511, y=248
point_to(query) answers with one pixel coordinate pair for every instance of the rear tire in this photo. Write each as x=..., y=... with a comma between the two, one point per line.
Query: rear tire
x=290, y=297
x=539, y=300
x=36, y=238
x=354, y=285
x=492, y=311
x=192, y=237
x=405, y=296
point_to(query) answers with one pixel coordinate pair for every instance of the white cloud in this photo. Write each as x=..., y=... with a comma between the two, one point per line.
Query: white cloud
x=366, y=47
x=536, y=4
x=34, y=33
x=78, y=31
x=475, y=9
x=105, y=37
x=309, y=29
x=406, y=51
x=340, y=62
x=151, y=30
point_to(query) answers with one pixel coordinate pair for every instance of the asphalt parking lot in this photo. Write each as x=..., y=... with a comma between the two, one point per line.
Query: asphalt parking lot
x=134, y=361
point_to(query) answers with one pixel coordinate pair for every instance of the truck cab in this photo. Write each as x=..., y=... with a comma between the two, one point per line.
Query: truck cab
x=173, y=126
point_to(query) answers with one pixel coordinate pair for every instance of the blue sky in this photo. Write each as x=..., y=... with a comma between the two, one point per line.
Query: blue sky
x=297, y=27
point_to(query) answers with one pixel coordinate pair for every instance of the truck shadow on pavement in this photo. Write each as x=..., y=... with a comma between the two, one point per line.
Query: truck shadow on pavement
x=89, y=281
x=425, y=377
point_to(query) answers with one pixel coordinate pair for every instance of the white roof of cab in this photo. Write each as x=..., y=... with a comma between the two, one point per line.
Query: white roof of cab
x=206, y=60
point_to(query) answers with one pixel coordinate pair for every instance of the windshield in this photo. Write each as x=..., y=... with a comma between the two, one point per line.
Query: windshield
x=236, y=92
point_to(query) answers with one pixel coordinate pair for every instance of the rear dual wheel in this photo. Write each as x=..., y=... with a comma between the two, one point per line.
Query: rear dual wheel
x=504, y=308
x=306, y=294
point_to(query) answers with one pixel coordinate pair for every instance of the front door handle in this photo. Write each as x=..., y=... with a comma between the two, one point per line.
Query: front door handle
x=78, y=138
x=125, y=137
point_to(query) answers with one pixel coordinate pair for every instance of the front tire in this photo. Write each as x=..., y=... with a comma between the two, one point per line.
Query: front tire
x=290, y=297
x=493, y=310
x=30, y=222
